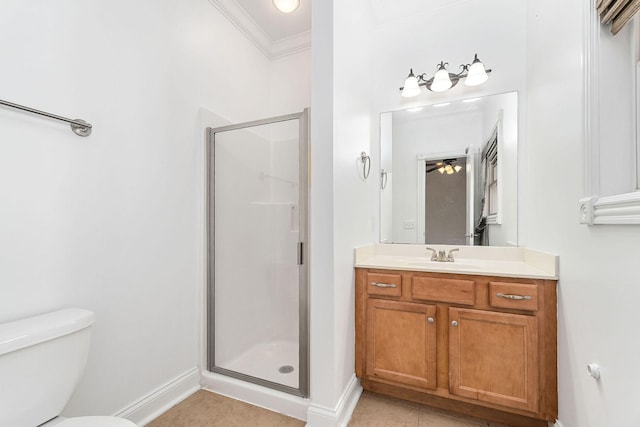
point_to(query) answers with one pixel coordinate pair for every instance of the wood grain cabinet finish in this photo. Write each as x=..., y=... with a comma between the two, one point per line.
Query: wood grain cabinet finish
x=493, y=357
x=477, y=345
x=401, y=342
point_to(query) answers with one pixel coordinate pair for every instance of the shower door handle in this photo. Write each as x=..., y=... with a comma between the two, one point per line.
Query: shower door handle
x=300, y=253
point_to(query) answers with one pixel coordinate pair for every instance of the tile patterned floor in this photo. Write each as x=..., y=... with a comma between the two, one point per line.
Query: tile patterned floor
x=206, y=409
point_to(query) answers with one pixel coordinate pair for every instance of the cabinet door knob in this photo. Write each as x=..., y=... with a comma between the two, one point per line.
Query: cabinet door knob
x=430, y=320
x=454, y=323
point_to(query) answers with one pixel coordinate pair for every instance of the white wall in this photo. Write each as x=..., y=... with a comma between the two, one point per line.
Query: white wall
x=114, y=222
x=494, y=29
x=598, y=288
x=341, y=201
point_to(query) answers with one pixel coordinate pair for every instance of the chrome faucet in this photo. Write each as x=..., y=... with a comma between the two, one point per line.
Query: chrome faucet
x=441, y=255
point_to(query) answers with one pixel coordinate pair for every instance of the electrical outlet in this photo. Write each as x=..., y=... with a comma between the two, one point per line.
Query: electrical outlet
x=409, y=225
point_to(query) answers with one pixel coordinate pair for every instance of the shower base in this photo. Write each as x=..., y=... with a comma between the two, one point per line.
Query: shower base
x=271, y=361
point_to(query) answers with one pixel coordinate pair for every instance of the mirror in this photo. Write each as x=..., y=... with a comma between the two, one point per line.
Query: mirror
x=448, y=173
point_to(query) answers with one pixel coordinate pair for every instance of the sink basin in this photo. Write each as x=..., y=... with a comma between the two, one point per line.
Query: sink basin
x=448, y=265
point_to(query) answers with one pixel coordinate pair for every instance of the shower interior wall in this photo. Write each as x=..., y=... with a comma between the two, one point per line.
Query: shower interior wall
x=115, y=222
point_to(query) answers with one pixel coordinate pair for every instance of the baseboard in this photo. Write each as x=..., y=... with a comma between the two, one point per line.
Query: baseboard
x=320, y=416
x=256, y=395
x=159, y=401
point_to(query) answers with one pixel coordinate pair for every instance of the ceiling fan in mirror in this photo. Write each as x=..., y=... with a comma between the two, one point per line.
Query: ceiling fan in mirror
x=448, y=166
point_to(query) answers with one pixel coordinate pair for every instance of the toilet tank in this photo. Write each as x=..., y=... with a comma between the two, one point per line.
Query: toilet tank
x=41, y=361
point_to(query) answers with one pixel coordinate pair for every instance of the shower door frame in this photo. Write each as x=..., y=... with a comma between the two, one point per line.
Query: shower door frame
x=302, y=253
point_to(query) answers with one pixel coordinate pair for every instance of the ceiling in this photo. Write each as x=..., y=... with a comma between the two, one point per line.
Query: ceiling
x=273, y=32
x=277, y=34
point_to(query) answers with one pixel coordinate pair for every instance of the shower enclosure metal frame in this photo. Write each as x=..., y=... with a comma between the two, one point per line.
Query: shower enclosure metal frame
x=302, y=254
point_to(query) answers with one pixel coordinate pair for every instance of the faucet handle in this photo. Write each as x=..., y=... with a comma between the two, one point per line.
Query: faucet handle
x=450, y=256
x=433, y=254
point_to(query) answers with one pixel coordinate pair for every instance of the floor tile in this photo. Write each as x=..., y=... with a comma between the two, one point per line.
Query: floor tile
x=207, y=409
x=431, y=419
x=374, y=412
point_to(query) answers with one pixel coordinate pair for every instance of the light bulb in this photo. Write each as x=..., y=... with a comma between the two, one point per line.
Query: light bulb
x=441, y=80
x=286, y=6
x=411, y=86
x=477, y=74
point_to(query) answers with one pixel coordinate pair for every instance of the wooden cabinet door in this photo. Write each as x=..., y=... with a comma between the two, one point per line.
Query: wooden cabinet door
x=401, y=342
x=493, y=357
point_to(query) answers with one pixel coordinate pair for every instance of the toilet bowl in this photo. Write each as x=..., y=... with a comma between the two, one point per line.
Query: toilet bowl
x=46, y=353
x=90, y=422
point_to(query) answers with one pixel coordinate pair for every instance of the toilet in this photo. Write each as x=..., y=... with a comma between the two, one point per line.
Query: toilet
x=41, y=362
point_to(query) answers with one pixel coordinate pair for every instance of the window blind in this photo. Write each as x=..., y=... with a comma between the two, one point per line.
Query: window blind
x=617, y=12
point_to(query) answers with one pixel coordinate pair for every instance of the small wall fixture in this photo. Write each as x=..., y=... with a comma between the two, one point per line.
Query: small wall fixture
x=366, y=164
x=474, y=74
x=286, y=6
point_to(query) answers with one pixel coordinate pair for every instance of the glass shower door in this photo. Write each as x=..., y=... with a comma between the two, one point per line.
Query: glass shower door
x=258, y=316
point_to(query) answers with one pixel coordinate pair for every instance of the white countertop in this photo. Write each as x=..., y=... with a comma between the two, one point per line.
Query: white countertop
x=479, y=260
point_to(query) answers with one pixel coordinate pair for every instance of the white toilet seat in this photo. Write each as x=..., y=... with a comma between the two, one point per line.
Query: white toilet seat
x=95, y=422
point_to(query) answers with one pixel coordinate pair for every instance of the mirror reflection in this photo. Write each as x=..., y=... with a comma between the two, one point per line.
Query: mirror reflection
x=448, y=173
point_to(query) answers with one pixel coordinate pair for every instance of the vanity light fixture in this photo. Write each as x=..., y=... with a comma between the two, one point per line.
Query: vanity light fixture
x=474, y=74
x=286, y=6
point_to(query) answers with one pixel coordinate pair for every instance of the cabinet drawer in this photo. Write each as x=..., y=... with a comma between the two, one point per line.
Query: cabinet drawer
x=521, y=296
x=384, y=284
x=445, y=290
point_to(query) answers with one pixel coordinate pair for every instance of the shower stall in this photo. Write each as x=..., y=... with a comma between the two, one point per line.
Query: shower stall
x=257, y=324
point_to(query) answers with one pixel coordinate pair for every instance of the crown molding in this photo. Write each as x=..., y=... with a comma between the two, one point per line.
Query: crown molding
x=290, y=45
x=247, y=26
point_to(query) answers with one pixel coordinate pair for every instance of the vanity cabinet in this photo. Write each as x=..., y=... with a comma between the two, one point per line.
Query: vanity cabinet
x=493, y=357
x=480, y=345
x=411, y=327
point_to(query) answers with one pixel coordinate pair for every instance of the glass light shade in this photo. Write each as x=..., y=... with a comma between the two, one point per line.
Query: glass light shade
x=411, y=86
x=448, y=169
x=441, y=170
x=458, y=168
x=286, y=6
x=476, y=75
x=441, y=81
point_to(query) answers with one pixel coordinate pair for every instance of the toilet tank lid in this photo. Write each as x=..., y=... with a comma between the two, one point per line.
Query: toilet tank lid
x=22, y=333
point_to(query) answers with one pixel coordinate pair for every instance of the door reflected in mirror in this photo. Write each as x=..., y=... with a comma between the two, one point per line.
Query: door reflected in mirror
x=449, y=173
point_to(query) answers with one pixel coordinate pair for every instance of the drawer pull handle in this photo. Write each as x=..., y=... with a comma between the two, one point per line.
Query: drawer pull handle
x=511, y=296
x=383, y=285
x=430, y=320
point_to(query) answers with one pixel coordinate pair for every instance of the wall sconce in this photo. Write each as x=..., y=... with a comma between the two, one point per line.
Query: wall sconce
x=474, y=73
